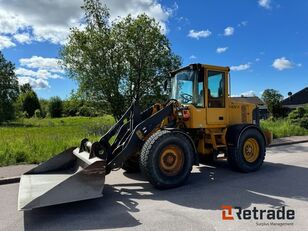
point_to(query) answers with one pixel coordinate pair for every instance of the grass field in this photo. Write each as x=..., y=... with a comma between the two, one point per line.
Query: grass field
x=36, y=140
x=283, y=128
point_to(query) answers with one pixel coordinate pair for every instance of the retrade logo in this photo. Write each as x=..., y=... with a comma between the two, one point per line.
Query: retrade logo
x=231, y=213
x=227, y=212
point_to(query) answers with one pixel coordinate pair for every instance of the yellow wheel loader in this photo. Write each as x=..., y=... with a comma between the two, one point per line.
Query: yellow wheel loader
x=200, y=121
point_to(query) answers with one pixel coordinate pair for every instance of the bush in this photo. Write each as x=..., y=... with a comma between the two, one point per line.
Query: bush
x=304, y=122
x=25, y=114
x=55, y=107
x=70, y=107
x=44, y=107
x=87, y=111
x=299, y=117
x=37, y=113
x=7, y=111
x=283, y=128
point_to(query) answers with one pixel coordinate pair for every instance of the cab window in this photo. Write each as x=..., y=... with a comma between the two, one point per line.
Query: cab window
x=216, y=89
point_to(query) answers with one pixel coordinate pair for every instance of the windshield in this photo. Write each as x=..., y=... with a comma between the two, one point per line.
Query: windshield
x=187, y=87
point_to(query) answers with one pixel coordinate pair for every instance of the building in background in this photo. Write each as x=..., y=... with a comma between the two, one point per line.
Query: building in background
x=299, y=99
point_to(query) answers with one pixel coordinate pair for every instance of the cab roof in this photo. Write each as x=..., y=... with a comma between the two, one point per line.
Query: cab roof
x=198, y=65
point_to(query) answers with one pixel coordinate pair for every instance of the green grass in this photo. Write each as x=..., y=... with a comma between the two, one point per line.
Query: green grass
x=283, y=128
x=36, y=140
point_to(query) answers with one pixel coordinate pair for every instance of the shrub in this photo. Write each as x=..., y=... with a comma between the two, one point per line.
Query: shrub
x=70, y=107
x=55, y=107
x=25, y=114
x=304, y=122
x=87, y=111
x=299, y=117
x=44, y=107
x=37, y=113
x=283, y=128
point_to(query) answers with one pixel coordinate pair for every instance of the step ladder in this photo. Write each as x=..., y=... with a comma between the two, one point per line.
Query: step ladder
x=218, y=139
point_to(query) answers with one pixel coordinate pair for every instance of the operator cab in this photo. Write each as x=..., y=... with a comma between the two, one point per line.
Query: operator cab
x=187, y=85
x=203, y=87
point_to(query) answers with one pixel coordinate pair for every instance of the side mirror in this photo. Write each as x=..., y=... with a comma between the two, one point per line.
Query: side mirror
x=165, y=85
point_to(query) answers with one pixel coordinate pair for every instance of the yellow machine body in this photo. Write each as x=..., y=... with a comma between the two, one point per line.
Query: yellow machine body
x=218, y=113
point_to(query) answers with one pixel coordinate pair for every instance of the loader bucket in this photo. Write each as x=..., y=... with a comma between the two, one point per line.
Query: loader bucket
x=67, y=177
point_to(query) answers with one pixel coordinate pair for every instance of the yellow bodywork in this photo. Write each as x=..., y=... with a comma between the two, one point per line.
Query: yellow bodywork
x=214, y=121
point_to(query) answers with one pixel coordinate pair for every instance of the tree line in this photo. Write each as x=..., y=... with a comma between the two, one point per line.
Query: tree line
x=21, y=101
x=113, y=62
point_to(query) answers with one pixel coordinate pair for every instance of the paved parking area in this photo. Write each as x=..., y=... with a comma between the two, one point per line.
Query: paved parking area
x=130, y=203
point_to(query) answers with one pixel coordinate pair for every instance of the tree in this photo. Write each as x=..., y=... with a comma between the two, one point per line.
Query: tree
x=148, y=56
x=25, y=88
x=44, y=107
x=27, y=100
x=9, y=89
x=30, y=102
x=55, y=107
x=113, y=62
x=272, y=98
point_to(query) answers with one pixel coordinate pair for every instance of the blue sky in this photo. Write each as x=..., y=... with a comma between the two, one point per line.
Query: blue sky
x=263, y=41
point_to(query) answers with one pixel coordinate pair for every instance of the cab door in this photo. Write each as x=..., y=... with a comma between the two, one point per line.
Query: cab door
x=216, y=91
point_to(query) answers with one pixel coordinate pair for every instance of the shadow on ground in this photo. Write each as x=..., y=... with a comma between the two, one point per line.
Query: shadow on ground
x=207, y=189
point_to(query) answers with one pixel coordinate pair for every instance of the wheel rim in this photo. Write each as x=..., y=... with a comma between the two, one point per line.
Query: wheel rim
x=251, y=150
x=171, y=160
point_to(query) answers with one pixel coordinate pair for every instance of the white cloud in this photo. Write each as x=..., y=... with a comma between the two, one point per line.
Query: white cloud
x=5, y=42
x=282, y=63
x=120, y=8
x=50, y=64
x=250, y=93
x=265, y=3
x=192, y=57
x=40, y=74
x=199, y=34
x=51, y=20
x=258, y=59
x=22, y=38
x=229, y=31
x=240, y=67
x=37, y=70
x=220, y=50
x=9, y=21
x=35, y=83
x=242, y=23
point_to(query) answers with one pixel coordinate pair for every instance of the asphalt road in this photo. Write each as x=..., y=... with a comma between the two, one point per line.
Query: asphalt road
x=131, y=203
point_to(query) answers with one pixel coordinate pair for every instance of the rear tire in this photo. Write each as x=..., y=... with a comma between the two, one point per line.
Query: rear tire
x=166, y=159
x=249, y=155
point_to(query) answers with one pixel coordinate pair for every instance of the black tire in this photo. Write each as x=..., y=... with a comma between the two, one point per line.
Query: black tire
x=236, y=157
x=131, y=165
x=151, y=155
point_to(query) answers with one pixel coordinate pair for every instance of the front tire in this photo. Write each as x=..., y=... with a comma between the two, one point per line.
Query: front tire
x=166, y=159
x=250, y=153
